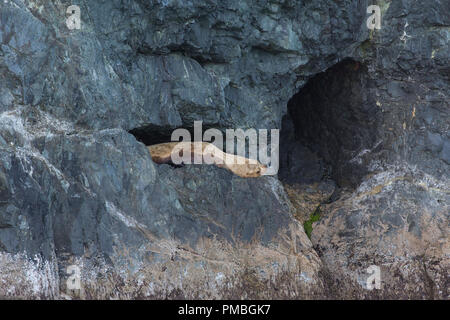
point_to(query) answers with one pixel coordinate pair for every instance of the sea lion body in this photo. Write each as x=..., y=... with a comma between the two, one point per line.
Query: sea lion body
x=241, y=166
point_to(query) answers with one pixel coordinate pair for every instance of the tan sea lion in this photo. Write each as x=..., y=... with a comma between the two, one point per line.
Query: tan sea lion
x=241, y=166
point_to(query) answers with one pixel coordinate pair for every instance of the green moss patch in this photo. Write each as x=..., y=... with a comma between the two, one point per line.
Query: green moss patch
x=315, y=216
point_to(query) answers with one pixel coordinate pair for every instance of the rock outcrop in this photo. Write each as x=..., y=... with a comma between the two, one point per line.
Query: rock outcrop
x=364, y=119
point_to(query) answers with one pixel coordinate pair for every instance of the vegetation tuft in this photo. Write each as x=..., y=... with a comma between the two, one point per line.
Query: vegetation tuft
x=315, y=216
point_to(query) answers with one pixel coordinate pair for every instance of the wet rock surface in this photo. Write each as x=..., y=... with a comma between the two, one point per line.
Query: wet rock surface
x=364, y=119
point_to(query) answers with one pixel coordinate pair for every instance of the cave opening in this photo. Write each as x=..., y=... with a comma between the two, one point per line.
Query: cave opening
x=330, y=125
x=154, y=134
x=151, y=134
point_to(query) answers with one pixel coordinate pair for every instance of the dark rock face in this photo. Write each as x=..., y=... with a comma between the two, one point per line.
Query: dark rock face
x=364, y=119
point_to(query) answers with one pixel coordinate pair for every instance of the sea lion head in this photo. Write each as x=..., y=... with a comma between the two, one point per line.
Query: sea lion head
x=254, y=170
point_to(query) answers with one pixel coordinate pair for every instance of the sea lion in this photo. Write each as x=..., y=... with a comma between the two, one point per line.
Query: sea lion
x=241, y=166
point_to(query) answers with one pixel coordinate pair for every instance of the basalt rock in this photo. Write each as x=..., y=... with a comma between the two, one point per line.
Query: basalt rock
x=364, y=119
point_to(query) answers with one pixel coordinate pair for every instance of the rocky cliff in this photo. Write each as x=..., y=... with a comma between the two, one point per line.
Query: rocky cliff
x=364, y=147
